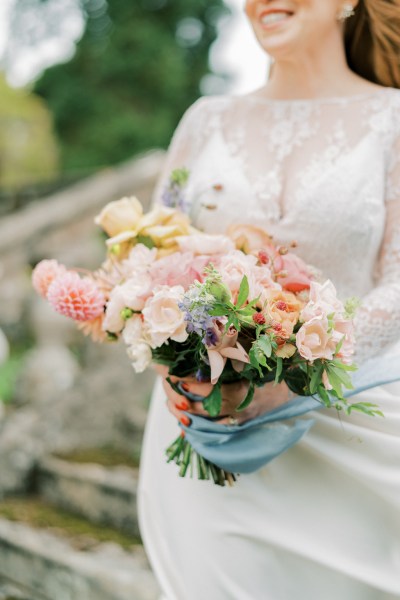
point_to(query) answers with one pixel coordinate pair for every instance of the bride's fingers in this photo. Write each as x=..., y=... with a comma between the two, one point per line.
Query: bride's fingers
x=178, y=414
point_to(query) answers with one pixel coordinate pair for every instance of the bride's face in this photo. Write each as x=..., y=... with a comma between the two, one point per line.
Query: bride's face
x=286, y=27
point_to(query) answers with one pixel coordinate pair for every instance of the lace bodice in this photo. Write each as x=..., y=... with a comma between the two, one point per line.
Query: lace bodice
x=324, y=172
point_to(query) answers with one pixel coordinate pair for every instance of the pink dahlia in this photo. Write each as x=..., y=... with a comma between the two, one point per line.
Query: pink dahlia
x=44, y=273
x=76, y=297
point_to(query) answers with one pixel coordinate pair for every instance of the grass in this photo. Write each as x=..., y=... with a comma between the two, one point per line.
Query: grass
x=82, y=534
x=106, y=456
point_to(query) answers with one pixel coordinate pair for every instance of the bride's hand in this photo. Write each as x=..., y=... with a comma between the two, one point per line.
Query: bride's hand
x=266, y=398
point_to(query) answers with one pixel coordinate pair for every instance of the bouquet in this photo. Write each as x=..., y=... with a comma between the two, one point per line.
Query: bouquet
x=221, y=308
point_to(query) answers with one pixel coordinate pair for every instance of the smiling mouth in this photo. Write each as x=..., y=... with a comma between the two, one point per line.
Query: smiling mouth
x=275, y=17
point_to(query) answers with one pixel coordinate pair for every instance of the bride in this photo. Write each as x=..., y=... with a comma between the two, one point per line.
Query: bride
x=314, y=156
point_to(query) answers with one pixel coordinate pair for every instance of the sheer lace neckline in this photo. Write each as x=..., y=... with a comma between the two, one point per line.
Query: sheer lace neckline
x=319, y=100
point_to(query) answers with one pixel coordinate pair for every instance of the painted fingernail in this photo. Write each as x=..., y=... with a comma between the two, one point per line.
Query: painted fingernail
x=182, y=405
x=185, y=387
x=185, y=421
x=183, y=433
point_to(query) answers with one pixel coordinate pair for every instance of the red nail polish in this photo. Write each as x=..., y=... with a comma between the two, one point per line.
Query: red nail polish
x=185, y=387
x=182, y=405
x=185, y=421
x=183, y=434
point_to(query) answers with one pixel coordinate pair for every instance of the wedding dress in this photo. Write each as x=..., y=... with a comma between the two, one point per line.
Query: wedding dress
x=322, y=521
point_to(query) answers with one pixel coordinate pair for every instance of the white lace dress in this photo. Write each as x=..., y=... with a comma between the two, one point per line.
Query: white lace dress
x=322, y=521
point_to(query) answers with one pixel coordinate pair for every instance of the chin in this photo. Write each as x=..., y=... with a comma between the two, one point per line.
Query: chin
x=281, y=45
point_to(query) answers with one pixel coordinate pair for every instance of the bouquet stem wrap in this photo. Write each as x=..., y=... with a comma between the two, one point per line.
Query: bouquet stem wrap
x=248, y=447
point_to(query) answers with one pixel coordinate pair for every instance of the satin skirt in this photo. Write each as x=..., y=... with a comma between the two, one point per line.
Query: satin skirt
x=320, y=522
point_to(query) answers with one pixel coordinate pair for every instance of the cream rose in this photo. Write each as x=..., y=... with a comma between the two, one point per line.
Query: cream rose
x=163, y=319
x=140, y=355
x=323, y=301
x=120, y=216
x=313, y=340
x=131, y=294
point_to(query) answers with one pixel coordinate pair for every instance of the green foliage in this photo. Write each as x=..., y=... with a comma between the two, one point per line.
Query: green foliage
x=9, y=372
x=28, y=147
x=136, y=69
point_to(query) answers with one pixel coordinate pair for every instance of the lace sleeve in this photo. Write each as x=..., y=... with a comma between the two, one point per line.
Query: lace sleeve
x=378, y=320
x=184, y=145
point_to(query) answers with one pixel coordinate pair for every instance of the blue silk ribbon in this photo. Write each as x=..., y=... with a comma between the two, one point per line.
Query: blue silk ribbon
x=248, y=447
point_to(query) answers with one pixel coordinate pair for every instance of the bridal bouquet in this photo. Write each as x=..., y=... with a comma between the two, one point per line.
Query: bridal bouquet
x=221, y=308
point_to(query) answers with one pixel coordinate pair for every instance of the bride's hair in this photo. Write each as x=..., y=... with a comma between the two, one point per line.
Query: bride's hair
x=372, y=40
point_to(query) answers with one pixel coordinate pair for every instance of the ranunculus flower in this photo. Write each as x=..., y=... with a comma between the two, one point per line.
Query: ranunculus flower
x=133, y=330
x=76, y=297
x=224, y=346
x=250, y=238
x=313, y=340
x=298, y=275
x=44, y=273
x=204, y=244
x=120, y=216
x=323, y=301
x=131, y=294
x=283, y=309
x=140, y=355
x=163, y=319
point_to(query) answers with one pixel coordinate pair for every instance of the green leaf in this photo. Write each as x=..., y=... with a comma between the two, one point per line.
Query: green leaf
x=213, y=402
x=219, y=310
x=316, y=377
x=343, y=376
x=248, y=399
x=323, y=394
x=146, y=240
x=264, y=342
x=243, y=292
x=279, y=369
x=254, y=361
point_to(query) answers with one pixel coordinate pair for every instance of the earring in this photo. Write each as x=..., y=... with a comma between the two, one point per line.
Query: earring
x=346, y=12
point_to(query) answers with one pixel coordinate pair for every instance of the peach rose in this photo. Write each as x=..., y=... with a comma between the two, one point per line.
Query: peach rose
x=119, y=216
x=282, y=310
x=163, y=319
x=249, y=238
x=313, y=340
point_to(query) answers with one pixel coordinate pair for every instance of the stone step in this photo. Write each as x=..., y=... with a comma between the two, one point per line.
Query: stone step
x=103, y=495
x=10, y=591
x=51, y=569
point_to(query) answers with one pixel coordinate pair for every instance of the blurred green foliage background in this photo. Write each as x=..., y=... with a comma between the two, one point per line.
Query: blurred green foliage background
x=137, y=67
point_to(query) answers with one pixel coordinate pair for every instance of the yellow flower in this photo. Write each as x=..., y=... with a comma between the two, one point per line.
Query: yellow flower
x=120, y=216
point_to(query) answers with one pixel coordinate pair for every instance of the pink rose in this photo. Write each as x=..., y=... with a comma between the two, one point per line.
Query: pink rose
x=313, y=340
x=202, y=243
x=163, y=319
x=236, y=265
x=177, y=269
x=344, y=328
x=297, y=276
